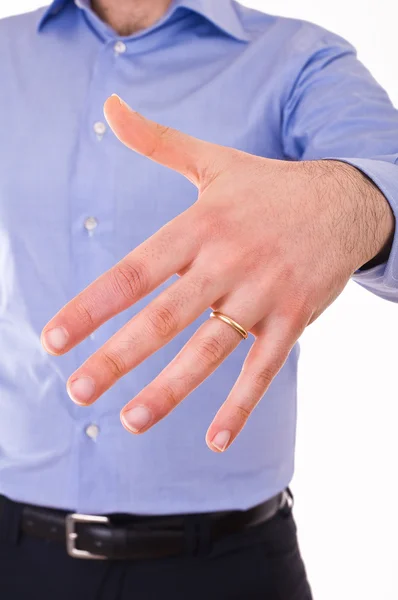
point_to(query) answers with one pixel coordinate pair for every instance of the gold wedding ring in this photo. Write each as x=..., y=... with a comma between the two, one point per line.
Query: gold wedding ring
x=241, y=330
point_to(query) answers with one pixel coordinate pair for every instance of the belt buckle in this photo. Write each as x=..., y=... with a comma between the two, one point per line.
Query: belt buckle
x=287, y=501
x=71, y=534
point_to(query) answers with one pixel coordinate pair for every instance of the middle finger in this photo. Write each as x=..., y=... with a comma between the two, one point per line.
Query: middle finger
x=210, y=345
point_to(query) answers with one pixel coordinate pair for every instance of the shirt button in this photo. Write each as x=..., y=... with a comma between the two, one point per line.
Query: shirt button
x=99, y=129
x=90, y=223
x=120, y=47
x=92, y=431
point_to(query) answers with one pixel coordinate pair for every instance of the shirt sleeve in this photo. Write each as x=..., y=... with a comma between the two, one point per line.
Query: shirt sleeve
x=336, y=110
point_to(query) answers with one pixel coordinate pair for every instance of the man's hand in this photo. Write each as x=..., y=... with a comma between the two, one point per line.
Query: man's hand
x=269, y=243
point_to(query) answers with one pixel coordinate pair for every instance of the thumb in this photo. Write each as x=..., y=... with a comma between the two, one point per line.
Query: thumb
x=187, y=155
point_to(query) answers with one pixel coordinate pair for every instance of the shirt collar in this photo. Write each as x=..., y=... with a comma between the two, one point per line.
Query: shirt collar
x=220, y=12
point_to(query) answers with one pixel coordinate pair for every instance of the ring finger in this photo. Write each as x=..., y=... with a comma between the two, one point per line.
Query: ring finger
x=210, y=345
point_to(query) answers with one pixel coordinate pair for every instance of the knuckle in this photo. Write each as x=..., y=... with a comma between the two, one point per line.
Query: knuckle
x=295, y=314
x=263, y=377
x=130, y=280
x=163, y=321
x=212, y=224
x=243, y=412
x=205, y=281
x=162, y=131
x=287, y=272
x=114, y=363
x=210, y=351
x=84, y=313
x=170, y=396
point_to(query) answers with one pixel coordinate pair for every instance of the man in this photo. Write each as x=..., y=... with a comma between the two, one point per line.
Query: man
x=289, y=151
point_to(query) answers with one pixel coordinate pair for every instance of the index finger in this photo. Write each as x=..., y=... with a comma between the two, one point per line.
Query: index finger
x=165, y=253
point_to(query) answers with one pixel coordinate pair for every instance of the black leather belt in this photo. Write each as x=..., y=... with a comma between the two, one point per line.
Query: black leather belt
x=126, y=537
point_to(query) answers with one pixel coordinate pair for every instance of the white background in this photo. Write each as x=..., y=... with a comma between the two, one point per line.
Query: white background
x=347, y=444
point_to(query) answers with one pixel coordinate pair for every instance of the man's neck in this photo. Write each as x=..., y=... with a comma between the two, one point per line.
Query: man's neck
x=129, y=16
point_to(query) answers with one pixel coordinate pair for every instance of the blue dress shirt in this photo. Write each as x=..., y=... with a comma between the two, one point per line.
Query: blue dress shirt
x=74, y=201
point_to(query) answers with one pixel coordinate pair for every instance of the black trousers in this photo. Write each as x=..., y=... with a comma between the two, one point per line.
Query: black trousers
x=263, y=562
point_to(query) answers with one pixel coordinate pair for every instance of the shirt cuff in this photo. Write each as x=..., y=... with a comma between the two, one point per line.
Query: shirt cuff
x=381, y=279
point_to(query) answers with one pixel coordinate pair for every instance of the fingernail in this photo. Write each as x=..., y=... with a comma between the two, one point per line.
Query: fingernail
x=118, y=97
x=81, y=390
x=136, y=418
x=122, y=102
x=55, y=339
x=220, y=441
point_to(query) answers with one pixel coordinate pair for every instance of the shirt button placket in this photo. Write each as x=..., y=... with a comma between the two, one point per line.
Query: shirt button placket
x=94, y=211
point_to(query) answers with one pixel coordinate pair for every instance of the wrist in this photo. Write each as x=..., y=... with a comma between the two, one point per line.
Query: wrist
x=378, y=221
x=369, y=220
